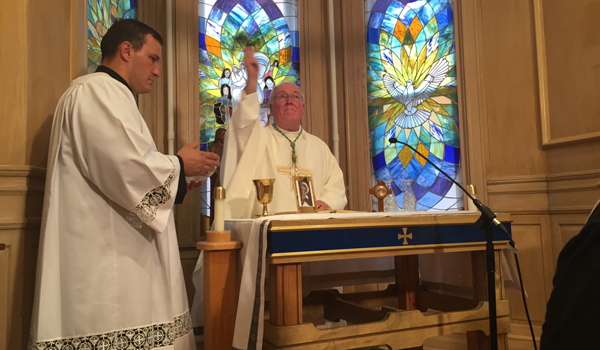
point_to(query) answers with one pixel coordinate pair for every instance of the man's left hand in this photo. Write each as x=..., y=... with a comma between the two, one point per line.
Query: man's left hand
x=193, y=184
x=322, y=205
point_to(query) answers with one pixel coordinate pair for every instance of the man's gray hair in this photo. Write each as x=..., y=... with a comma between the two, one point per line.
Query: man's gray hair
x=275, y=88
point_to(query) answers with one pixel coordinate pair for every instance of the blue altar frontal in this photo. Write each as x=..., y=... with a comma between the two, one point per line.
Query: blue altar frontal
x=395, y=232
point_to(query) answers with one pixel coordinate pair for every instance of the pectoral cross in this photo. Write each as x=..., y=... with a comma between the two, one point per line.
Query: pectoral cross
x=405, y=236
x=291, y=172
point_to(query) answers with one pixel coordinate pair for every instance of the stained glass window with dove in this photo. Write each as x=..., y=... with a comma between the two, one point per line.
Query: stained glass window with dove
x=412, y=96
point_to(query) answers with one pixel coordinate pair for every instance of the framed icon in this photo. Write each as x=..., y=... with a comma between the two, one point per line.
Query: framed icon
x=305, y=196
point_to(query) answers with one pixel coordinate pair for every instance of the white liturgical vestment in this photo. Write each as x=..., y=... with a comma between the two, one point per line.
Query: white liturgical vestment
x=109, y=274
x=252, y=151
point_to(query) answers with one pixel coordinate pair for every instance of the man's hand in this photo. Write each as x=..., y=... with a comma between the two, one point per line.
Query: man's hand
x=251, y=69
x=198, y=163
x=193, y=184
x=322, y=205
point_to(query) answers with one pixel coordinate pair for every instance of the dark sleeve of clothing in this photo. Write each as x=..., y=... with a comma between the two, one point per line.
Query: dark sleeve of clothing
x=182, y=187
x=573, y=310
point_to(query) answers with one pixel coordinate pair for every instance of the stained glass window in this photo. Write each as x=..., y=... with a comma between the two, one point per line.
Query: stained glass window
x=412, y=96
x=225, y=28
x=101, y=14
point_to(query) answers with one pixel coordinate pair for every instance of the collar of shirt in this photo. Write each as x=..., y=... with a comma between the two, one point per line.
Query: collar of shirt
x=113, y=74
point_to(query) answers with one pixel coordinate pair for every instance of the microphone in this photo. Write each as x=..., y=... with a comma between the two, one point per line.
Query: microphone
x=487, y=215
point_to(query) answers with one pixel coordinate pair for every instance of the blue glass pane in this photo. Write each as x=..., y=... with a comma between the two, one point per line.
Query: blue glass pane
x=295, y=38
x=395, y=9
x=373, y=36
x=250, y=26
x=396, y=168
x=201, y=25
x=381, y=6
x=426, y=14
x=383, y=174
x=451, y=154
x=217, y=16
x=261, y=17
x=426, y=179
x=414, y=168
x=375, y=20
x=418, y=191
x=280, y=25
x=378, y=161
x=444, y=18
x=238, y=14
x=429, y=199
x=441, y=186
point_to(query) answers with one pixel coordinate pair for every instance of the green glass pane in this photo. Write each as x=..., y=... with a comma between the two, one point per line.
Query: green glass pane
x=273, y=46
x=268, y=31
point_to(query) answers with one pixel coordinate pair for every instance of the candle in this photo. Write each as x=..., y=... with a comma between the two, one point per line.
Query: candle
x=219, y=222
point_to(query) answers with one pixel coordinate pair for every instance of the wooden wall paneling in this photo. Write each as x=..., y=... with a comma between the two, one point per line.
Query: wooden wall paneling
x=314, y=68
x=78, y=38
x=49, y=41
x=513, y=111
x=564, y=227
x=572, y=79
x=17, y=268
x=574, y=191
x=187, y=129
x=153, y=105
x=13, y=71
x=187, y=110
x=5, y=291
x=472, y=89
x=518, y=194
x=574, y=157
x=352, y=102
x=531, y=234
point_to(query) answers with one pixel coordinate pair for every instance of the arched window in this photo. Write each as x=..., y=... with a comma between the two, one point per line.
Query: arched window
x=412, y=96
x=101, y=14
x=225, y=28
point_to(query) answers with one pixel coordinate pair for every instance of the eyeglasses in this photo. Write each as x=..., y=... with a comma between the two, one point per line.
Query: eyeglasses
x=284, y=96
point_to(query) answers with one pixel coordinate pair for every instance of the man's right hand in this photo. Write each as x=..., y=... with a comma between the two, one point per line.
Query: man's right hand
x=198, y=163
x=251, y=69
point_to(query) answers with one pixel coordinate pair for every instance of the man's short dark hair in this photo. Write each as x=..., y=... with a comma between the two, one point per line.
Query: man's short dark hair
x=129, y=30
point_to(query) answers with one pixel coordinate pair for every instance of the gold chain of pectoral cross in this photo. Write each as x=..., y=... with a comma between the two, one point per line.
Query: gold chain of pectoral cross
x=292, y=144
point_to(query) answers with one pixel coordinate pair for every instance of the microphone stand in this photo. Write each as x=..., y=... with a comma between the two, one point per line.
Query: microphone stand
x=485, y=222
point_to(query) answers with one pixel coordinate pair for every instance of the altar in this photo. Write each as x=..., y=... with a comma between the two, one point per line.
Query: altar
x=281, y=244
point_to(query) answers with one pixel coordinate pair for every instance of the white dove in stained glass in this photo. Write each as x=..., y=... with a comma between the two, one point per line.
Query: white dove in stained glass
x=411, y=97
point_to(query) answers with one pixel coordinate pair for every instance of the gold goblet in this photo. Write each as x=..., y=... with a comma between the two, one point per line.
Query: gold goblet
x=264, y=192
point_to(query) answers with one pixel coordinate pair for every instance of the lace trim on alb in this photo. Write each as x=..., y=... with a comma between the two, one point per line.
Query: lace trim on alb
x=148, y=337
x=145, y=212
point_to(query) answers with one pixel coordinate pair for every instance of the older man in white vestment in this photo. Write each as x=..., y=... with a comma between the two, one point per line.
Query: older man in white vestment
x=109, y=274
x=278, y=151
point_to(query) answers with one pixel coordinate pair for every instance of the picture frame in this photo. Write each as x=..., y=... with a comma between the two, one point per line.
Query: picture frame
x=305, y=195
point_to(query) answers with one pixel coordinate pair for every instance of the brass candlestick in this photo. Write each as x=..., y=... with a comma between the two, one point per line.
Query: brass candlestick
x=264, y=192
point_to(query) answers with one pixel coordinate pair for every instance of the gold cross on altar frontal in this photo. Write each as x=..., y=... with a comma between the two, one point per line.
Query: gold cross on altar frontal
x=405, y=236
x=292, y=171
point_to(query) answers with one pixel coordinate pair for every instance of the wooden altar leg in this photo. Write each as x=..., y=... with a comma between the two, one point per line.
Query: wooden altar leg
x=220, y=290
x=407, y=281
x=477, y=340
x=286, y=294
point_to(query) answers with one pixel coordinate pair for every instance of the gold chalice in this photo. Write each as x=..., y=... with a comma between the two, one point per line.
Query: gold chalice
x=264, y=192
